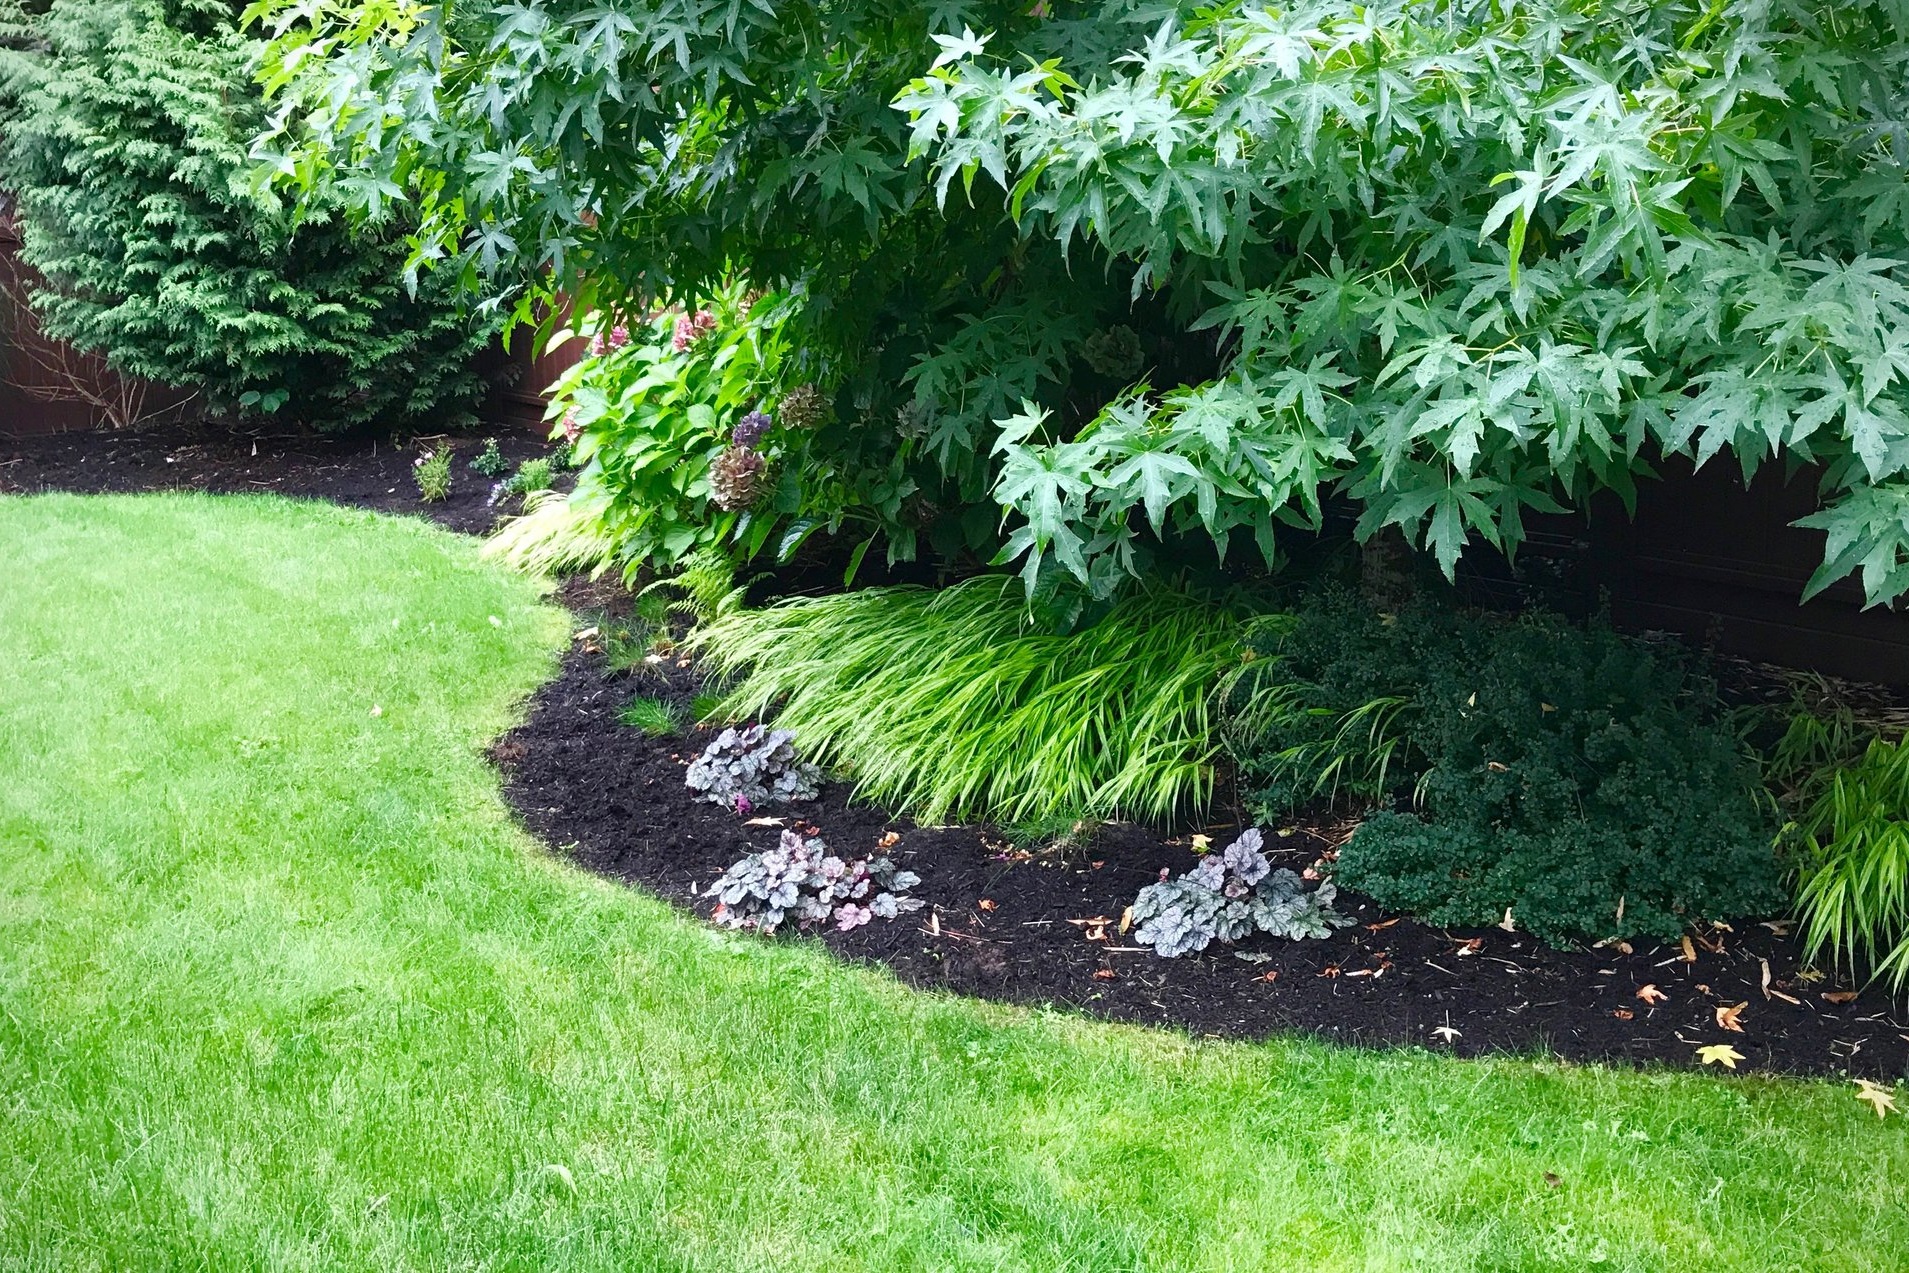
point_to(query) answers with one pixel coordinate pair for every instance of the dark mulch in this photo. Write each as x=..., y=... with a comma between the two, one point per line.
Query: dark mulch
x=1000, y=925
x=365, y=473
x=1010, y=926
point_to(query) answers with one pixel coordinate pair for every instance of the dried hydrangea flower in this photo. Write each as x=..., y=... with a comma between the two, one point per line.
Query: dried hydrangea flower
x=735, y=479
x=803, y=407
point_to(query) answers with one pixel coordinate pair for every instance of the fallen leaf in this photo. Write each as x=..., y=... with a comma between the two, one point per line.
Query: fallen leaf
x=376, y=710
x=1838, y=996
x=934, y=923
x=1330, y=970
x=889, y=839
x=1471, y=946
x=1774, y=994
x=1506, y=923
x=1622, y=1014
x=1781, y=927
x=763, y=822
x=1728, y=1018
x=1104, y=974
x=986, y=903
x=1498, y=766
x=1553, y=1179
x=1381, y=925
x=1879, y=1097
x=1270, y=975
x=1651, y=994
x=1809, y=974
x=1201, y=843
x=1445, y=1032
x=1690, y=952
x=1126, y=919
x=1719, y=1054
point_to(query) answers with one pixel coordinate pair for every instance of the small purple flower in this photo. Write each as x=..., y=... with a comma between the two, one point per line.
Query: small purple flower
x=743, y=807
x=750, y=429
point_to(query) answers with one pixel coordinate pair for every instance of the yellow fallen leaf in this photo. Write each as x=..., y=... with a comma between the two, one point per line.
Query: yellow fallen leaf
x=1201, y=843
x=1880, y=1097
x=1719, y=1054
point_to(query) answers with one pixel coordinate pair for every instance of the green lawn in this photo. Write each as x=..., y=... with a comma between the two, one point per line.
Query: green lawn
x=281, y=986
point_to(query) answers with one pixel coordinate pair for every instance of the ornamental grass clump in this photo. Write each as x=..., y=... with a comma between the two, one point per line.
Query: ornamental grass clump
x=1852, y=867
x=954, y=703
x=800, y=878
x=754, y=766
x=1228, y=896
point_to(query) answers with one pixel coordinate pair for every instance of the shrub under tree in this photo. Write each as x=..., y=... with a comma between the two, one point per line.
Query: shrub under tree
x=128, y=156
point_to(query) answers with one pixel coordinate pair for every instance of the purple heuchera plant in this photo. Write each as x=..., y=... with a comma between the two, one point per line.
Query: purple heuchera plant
x=749, y=430
x=1229, y=895
x=747, y=768
x=801, y=878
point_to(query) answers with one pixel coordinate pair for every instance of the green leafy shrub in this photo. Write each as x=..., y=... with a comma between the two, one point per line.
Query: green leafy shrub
x=531, y=477
x=800, y=877
x=1580, y=780
x=1852, y=864
x=129, y=160
x=654, y=716
x=1230, y=895
x=433, y=473
x=490, y=462
x=953, y=703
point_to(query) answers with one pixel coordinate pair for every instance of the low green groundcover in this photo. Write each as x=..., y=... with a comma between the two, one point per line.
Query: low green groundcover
x=281, y=986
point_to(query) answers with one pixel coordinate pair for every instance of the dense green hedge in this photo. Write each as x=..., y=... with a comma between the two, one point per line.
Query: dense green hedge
x=128, y=154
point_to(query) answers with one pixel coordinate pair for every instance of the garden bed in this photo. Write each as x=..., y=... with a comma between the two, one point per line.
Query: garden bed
x=362, y=472
x=1043, y=928
x=1006, y=925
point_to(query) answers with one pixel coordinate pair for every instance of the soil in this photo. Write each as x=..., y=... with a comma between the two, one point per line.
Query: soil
x=365, y=473
x=1038, y=924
